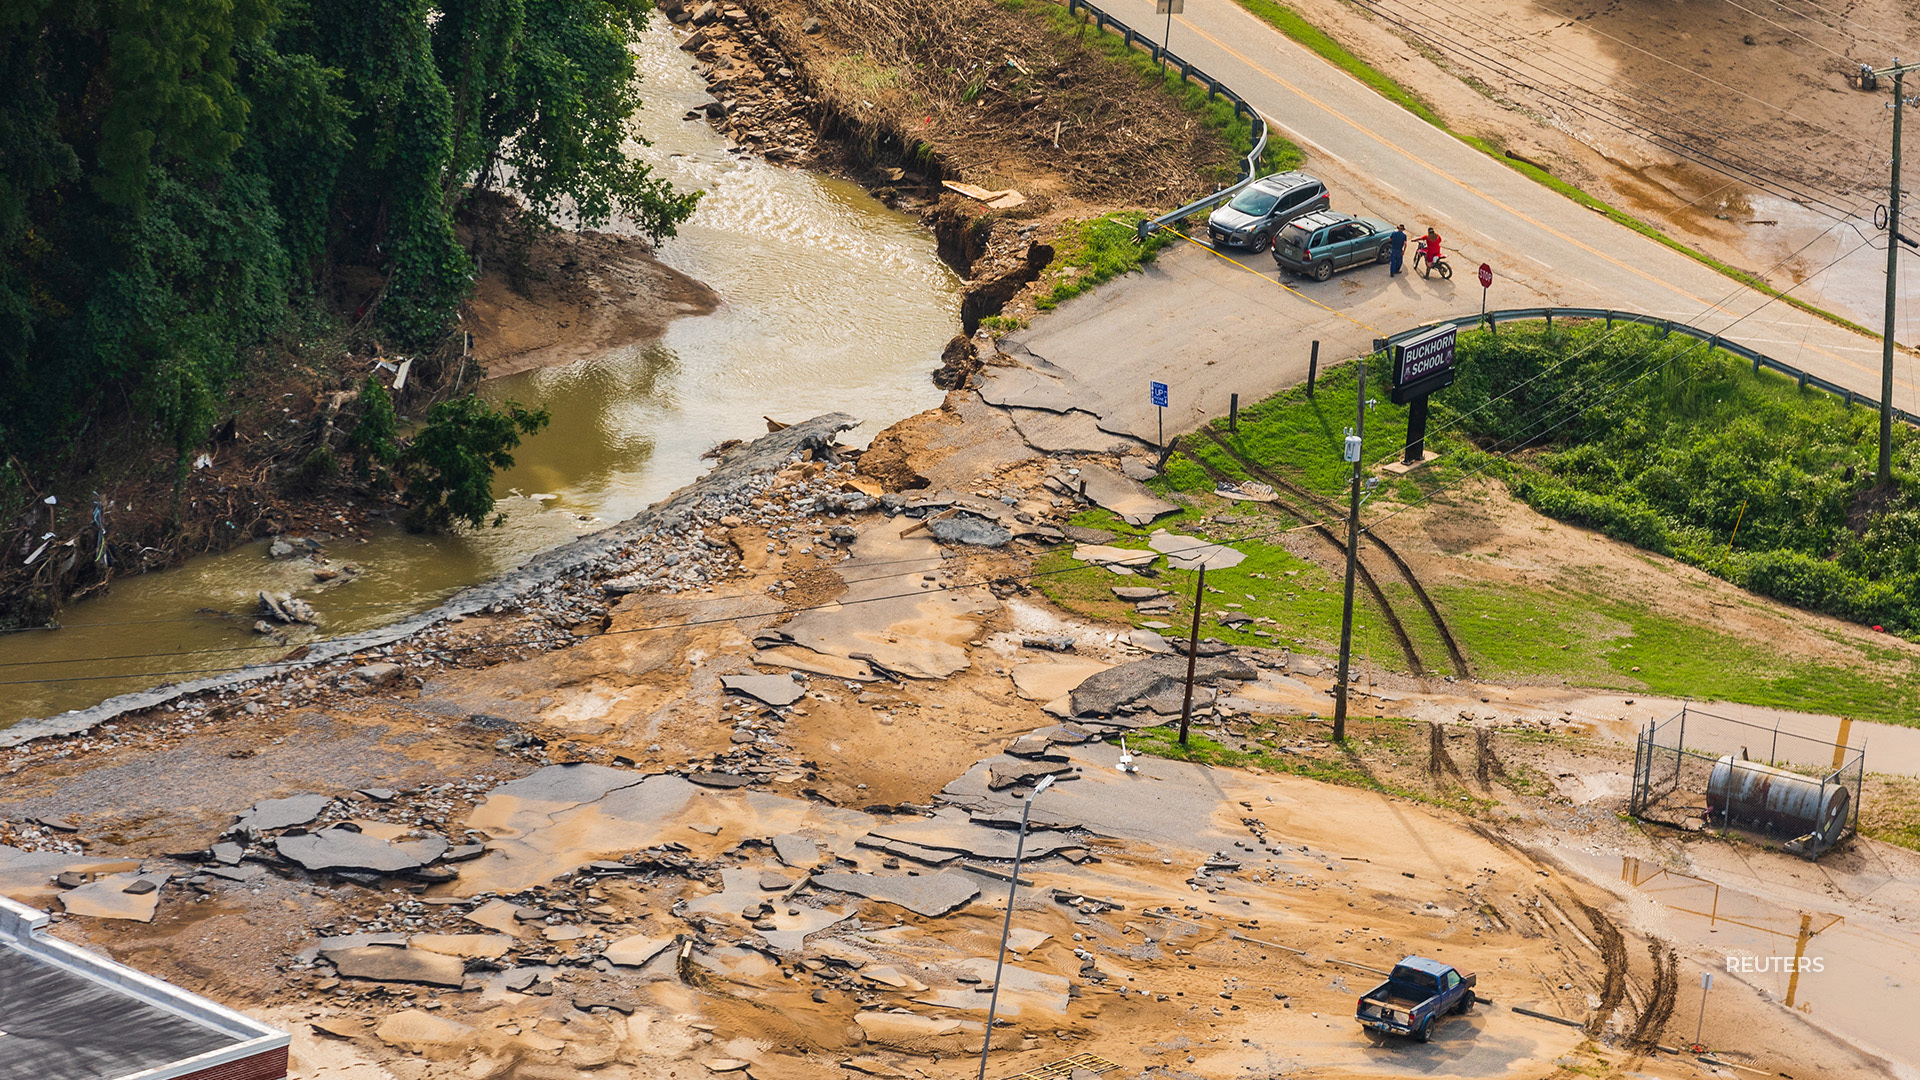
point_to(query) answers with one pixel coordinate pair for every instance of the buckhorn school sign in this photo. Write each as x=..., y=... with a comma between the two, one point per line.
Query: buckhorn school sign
x=1423, y=365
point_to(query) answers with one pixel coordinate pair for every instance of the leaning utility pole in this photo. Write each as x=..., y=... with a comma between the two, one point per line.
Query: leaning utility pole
x=1352, y=453
x=1884, y=476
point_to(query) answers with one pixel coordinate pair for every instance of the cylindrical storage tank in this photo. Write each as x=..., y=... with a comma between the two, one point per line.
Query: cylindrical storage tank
x=1787, y=802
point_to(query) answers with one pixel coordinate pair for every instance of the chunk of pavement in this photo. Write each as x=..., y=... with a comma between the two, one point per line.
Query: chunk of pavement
x=113, y=897
x=1191, y=552
x=776, y=690
x=1148, y=641
x=925, y=855
x=774, y=881
x=1133, y=503
x=1117, y=559
x=719, y=780
x=375, y=674
x=1031, y=745
x=1046, y=680
x=417, y=1031
x=1060, y=643
x=635, y=951
x=227, y=853
x=1173, y=700
x=384, y=963
x=892, y=978
x=1007, y=773
x=796, y=850
x=1133, y=594
x=588, y=1003
x=1105, y=692
x=270, y=814
x=344, y=849
x=1134, y=468
x=488, y=946
x=950, y=829
x=966, y=529
x=726, y=1065
x=495, y=915
x=931, y=895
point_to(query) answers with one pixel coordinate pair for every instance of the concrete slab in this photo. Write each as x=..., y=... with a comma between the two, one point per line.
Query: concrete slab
x=1120, y=560
x=1191, y=552
x=921, y=636
x=636, y=951
x=1023, y=991
x=796, y=658
x=1128, y=498
x=789, y=925
x=27, y=876
x=796, y=850
x=954, y=830
x=931, y=895
x=1104, y=693
x=384, y=963
x=496, y=915
x=344, y=849
x=778, y=690
x=1029, y=388
x=133, y=897
x=1170, y=804
x=1045, y=681
x=476, y=945
x=270, y=814
x=1068, y=432
x=562, y=817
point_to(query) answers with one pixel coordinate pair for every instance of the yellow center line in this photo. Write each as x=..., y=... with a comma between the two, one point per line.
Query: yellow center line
x=1415, y=158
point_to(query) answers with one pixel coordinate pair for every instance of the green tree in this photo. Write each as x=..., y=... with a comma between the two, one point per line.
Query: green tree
x=448, y=468
x=374, y=438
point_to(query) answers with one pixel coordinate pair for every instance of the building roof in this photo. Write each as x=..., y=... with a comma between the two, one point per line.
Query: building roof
x=67, y=1014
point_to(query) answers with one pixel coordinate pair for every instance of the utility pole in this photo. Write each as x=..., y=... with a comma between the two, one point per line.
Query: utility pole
x=1884, y=475
x=1006, y=928
x=1193, y=652
x=1353, y=454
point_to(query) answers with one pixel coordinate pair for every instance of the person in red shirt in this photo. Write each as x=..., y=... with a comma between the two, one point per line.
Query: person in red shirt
x=1430, y=245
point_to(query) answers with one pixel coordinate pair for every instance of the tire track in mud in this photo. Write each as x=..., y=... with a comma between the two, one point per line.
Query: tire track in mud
x=1394, y=624
x=1613, y=954
x=1455, y=656
x=1666, y=991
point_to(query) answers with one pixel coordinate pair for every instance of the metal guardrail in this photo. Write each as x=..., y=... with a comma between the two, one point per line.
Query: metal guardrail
x=1189, y=72
x=1493, y=319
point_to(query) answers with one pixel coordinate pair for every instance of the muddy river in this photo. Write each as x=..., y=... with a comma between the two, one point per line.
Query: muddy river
x=830, y=301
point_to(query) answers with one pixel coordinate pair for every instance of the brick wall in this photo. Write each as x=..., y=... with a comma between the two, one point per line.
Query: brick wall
x=265, y=1065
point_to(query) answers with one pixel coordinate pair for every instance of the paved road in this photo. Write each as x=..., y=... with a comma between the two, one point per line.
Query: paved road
x=1210, y=328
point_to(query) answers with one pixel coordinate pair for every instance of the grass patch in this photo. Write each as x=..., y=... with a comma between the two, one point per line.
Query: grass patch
x=1290, y=23
x=1593, y=641
x=1891, y=811
x=1094, y=252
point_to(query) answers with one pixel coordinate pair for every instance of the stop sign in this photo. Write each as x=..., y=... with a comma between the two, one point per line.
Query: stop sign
x=1486, y=276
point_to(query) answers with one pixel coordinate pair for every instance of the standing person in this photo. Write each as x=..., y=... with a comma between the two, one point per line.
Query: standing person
x=1399, y=250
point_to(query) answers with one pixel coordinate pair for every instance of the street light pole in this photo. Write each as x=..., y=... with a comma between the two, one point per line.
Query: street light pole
x=1006, y=928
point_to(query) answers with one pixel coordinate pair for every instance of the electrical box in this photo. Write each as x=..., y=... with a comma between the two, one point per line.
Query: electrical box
x=1353, y=448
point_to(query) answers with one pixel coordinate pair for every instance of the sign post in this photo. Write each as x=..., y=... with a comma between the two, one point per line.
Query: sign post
x=1486, y=282
x=1420, y=367
x=1157, y=393
x=1169, y=8
x=1706, y=984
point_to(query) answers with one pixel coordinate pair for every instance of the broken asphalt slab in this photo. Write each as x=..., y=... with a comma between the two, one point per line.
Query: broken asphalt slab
x=931, y=895
x=385, y=963
x=1191, y=552
x=346, y=849
x=268, y=815
x=1105, y=693
x=1168, y=803
x=776, y=690
x=953, y=830
x=1128, y=498
x=919, y=635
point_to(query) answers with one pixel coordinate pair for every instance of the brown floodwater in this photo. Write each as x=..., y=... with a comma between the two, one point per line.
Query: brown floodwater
x=829, y=302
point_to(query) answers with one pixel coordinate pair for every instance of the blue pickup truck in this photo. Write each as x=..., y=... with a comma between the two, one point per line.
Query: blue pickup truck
x=1418, y=992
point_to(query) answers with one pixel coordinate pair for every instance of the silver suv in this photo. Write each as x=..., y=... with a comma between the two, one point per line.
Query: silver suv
x=1256, y=214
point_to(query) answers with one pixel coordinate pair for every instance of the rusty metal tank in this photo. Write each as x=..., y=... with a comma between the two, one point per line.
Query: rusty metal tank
x=1786, y=802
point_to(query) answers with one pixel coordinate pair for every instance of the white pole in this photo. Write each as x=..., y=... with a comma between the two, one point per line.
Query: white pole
x=1013, y=885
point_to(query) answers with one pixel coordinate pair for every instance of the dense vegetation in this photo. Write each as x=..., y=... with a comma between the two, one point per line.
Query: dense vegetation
x=184, y=183
x=1685, y=451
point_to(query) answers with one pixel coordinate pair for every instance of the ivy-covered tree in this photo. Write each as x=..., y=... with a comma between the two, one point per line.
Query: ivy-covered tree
x=448, y=468
x=173, y=175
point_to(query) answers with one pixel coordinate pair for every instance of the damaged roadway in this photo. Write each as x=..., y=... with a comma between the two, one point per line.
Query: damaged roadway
x=753, y=811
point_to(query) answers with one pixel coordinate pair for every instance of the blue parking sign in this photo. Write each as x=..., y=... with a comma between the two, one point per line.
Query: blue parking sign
x=1158, y=392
